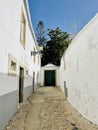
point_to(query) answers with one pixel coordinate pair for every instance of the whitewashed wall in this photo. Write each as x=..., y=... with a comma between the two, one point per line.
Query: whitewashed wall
x=81, y=73
x=10, y=18
x=10, y=22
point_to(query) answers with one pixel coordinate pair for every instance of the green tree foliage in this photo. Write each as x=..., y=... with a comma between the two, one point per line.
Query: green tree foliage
x=40, y=34
x=55, y=47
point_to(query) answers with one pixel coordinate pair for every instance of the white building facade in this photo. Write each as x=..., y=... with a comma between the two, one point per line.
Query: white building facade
x=19, y=70
x=79, y=71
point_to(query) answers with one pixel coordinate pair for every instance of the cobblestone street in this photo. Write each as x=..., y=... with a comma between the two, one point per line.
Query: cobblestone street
x=47, y=109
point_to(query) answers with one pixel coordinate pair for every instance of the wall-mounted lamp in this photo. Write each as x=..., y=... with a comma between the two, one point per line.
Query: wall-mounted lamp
x=33, y=53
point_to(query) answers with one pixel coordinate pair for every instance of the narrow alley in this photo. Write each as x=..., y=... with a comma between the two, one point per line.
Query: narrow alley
x=47, y=109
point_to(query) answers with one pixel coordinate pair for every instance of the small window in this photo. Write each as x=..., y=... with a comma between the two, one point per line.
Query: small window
x=12, y=65
x=23, y=30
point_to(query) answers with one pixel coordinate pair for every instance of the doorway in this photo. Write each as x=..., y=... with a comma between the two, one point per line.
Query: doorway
x=50, y=77
x=21, y=84
x=33, y=80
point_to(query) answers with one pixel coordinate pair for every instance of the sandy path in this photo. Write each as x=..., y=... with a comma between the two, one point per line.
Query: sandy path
x=47, y=109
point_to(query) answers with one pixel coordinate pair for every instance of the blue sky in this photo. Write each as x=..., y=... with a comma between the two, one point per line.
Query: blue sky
x=62, y=13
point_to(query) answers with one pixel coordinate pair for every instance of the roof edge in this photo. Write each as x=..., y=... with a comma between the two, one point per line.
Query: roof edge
x=29, y=21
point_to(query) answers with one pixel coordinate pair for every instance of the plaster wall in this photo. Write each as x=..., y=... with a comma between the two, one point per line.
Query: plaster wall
x=81, y=73
x=8, y=101
x=10, y=23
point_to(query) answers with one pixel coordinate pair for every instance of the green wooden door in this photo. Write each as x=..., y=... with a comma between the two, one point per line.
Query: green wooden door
x=21, y=84
x=50, y=78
